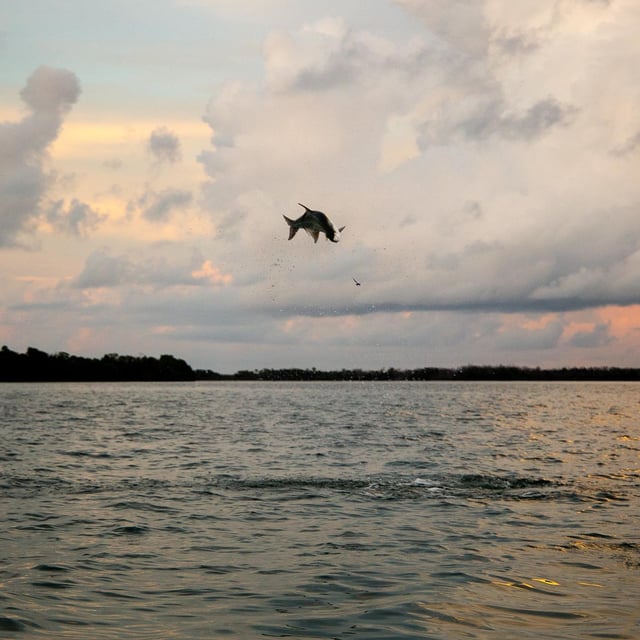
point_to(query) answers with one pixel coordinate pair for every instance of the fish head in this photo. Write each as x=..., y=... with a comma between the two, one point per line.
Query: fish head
x=333, y=234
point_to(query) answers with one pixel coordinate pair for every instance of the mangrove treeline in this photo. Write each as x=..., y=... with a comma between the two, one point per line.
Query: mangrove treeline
x=37, y=366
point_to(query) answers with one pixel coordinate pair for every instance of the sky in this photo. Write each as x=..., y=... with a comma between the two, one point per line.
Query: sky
x=484, y=156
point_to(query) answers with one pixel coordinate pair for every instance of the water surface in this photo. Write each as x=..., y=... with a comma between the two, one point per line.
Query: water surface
x=320, y=510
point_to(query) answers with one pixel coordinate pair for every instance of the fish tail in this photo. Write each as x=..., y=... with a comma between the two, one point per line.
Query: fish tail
x=292, y=229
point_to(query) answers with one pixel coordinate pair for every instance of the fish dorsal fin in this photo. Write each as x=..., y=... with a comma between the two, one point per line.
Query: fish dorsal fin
x=304, y=207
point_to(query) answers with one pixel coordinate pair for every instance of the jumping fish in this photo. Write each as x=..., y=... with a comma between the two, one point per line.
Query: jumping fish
x=314, y=223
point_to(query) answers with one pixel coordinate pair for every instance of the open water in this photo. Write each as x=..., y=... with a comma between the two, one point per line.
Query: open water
x=320, y=510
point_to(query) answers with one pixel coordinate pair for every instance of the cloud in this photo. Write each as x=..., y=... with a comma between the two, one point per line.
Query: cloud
x=522, y=338
x=630, y=146
x=164, y=146
x=477, y=48
x=161, y=206
x=161, y=266
x=516, y=43
x=598, y=336
x=48, y=94
x=78, y=218
x=322, y=56
x=329, y=55
x=489, y=117
x=461, y=24
x=497, y=194
x=535, y=121
x=209, y=272
x=103, y=269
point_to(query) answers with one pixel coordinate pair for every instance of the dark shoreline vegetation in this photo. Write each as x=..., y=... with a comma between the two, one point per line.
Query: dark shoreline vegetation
x=37, y=366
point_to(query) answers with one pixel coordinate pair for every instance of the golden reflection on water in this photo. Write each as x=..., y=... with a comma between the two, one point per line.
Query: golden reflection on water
x=528, y=586
x=517, y=585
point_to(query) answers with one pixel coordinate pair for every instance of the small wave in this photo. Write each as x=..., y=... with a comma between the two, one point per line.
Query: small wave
x=541, y=613
x=130, y=530
x=51, y=568
x=87, y=454
x=628, y=553
x=501, y=483
x=15, y=624
x=119, y=595
x=448, y=615
x=54, y=584
x=40, y=526
x=142, y=506
x=38, y=484
x=339, y=484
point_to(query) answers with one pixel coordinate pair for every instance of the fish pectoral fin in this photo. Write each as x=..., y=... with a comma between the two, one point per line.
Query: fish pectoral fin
x=315, y=235
x=341, y=229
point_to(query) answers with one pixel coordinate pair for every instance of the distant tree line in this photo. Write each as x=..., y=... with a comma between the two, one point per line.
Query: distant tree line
x=37, y=366
x=468, y=373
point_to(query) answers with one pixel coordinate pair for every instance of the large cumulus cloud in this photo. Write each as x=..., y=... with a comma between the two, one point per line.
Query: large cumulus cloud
x=25, y=178
x=475, y=166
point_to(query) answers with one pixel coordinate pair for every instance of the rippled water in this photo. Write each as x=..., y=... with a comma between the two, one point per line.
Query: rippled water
x=320, y=510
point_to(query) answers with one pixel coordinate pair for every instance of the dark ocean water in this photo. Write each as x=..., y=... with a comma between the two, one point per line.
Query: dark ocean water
x=320, y=510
